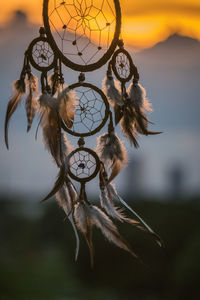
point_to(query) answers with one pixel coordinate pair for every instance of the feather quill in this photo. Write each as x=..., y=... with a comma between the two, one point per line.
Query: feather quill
x=67, y=105
x=19, y=90
x=31, y=103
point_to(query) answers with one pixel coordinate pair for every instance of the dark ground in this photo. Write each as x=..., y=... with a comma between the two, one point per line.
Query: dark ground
x=37, y=255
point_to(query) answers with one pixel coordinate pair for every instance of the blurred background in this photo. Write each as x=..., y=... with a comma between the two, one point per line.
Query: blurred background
x=161, y=181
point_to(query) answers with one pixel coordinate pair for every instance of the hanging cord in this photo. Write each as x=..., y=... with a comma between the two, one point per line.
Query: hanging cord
x=110, y=125
x=83, y=195
x=61, y=77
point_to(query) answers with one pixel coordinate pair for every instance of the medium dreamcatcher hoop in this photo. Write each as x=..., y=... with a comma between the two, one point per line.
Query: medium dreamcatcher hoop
x=83, y=35
x=92, y=110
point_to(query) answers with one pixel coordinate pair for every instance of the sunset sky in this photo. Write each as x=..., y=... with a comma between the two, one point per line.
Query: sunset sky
x=145, y=22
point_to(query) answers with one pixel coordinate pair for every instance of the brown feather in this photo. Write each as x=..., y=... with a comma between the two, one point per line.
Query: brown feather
x=142, y=123
x=128, y=125
x=19, y=90
x=52, y=135
x=31, y=102
x=107, y=227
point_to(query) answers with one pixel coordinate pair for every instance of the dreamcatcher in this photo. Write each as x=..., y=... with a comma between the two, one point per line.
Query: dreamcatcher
x=83, y=35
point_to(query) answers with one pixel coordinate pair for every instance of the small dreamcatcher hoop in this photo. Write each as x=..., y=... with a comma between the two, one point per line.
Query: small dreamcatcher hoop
x=92, y=110
x=41, y=55
x=83, y=33
x=122, y=65
x=83, y=164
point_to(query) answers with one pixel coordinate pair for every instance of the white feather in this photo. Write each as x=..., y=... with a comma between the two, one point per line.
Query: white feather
x=81, y=216
x=109, y=207
x=111, y=149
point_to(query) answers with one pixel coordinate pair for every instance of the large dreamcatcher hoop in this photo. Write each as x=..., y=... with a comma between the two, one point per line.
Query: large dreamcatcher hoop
x=83, y=33
x=92, y=110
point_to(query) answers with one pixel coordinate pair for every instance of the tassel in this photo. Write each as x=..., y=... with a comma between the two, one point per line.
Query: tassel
x=65, y=201
x=19, y=91
x=111, y=152
x=140, y=103
x=111, y=89
x=51, y=127
x=31, y=103
x=146, y=227
x=67, y=106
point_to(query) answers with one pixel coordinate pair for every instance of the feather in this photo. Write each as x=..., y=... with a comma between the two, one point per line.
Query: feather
x=138, y=97
x=84, y=224
x=127, y=124
x=118, y=113
x=51, y=127
x=31, y=102
x=140, y=103
x=146, y=227
x=65, y=146
x=109, y=207
x=109, y=230
x=111, y=152
x=111, y=89
x=65, y=202
x=67, y=106
x=58, y=184
x=19, y=91
x=71, y=190
x=54, y=82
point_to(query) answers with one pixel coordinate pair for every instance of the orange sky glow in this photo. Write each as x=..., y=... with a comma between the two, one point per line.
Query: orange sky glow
x=144, y=22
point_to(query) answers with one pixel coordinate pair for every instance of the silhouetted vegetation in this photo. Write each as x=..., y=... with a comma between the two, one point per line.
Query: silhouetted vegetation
x=37, y=256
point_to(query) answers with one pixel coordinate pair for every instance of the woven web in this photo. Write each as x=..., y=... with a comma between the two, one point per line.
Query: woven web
x=90, y=110
x=122, y=65
x=82, y=29
x=82, y=164
x=42, y=54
